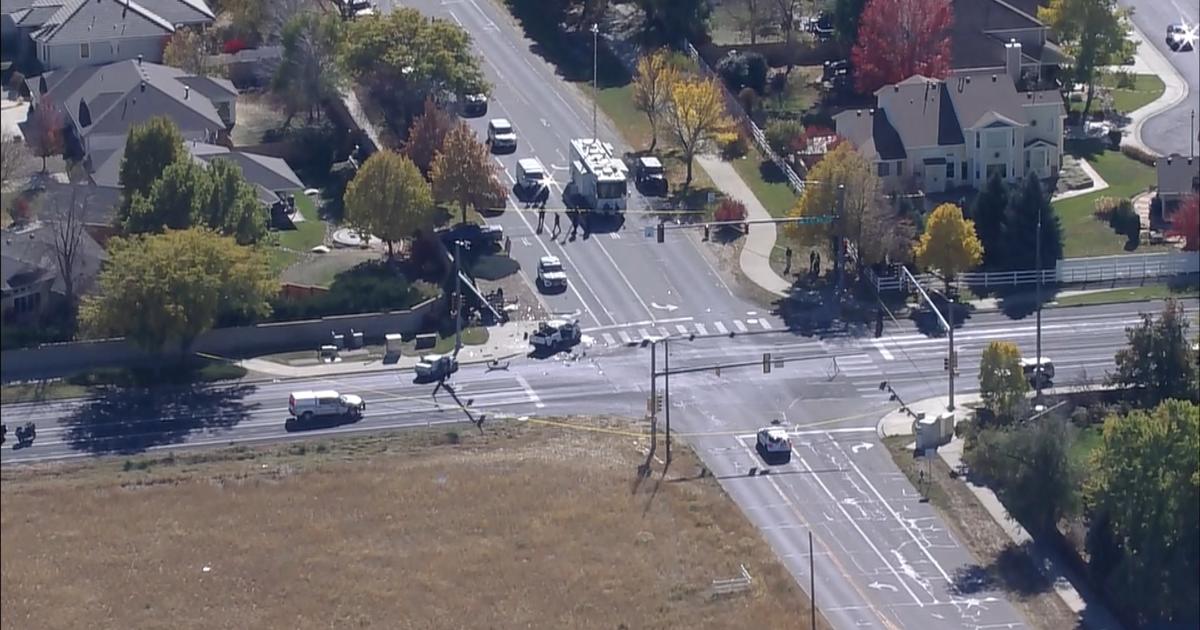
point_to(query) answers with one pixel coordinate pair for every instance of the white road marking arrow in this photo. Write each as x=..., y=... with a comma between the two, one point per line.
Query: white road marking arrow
x=663, y=307
x=880, y=586
x=861, y=446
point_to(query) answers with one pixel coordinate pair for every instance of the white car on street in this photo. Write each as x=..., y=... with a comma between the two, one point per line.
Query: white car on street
x=550, y=274
x=774, y=441
x=500, y=135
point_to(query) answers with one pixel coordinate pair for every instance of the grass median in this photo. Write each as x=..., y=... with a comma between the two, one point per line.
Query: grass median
x=520, y=525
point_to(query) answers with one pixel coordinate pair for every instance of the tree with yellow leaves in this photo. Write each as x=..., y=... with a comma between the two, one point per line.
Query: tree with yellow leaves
x=656, y=76
x=949, y=244
x=696, y=115
x=1002, y=382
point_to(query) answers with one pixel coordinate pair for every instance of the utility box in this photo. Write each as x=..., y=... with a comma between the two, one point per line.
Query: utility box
x=392, y=343
x=934, y=432
x=356, y=338
x=426, y=340
x=327, y=352
x=339, y=340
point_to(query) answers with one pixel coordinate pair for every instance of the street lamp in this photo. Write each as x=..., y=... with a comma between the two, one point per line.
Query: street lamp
x=458, y=301
x=1037, y=370
x=595, y=81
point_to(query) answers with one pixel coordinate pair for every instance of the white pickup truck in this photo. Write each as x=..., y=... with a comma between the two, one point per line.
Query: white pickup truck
x=308, y=405
x=436, y=366
x=556, y=334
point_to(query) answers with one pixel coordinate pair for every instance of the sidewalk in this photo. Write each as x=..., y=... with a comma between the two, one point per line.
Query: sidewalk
x=1074, y=592
x=504, y=342
x=1175, y=92
x=755, y=260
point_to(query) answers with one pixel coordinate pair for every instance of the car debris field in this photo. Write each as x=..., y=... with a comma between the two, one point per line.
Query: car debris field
x=525, y=525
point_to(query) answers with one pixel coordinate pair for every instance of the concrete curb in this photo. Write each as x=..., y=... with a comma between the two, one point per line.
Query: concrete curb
x=1175, y=92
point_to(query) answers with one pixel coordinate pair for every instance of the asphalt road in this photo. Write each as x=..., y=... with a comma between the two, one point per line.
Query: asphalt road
x=883, y=559
x=617, y=275
x=1171, y=131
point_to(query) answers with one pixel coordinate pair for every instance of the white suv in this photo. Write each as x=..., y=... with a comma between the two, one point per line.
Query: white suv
x=774, y=441
x=550, y=273
x=501, y=136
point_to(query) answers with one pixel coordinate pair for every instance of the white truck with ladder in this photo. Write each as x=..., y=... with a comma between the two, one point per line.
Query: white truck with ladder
x=599, y=178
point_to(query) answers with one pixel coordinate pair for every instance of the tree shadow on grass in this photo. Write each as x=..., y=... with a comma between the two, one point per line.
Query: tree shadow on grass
x=130, y=421
x=1013, y=571
x=569, y=51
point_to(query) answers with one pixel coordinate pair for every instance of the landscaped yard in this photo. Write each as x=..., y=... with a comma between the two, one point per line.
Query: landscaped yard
x=197, y=370
x=767, y=183
x=291, y=244
x=1146, y=88
x=1082, y=233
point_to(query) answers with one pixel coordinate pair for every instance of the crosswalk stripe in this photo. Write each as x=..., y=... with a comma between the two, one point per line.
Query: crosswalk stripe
x=764, y=323
x=681, y=328
x=608, y=339
x=737, y=323
x=644, y=333
x=701, y=330
x=661, y=332
x=624, y=336
x=721, y=328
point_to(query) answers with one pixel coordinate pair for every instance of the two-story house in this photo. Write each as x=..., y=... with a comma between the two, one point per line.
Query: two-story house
x=72, y=33
x=982, y=30
x=936, y=135
x=101, y=103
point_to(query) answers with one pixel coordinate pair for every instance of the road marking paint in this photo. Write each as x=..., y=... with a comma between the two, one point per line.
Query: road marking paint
x=614, y=236
x=644, y=333
x=661, y=332
x=525, y=241
x=644, y=322
x=737, y=323
x=624, y=336
x=764, y=323
x=701, y=330
x=798, y=432
x=721, y=328
x=608, y=339
x=887, y=356
x=537, y=400
x=683, y=330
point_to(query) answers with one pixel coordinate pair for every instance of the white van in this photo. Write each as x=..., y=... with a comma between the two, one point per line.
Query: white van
x=500, y=135
x=312, y=404
x=531, y=178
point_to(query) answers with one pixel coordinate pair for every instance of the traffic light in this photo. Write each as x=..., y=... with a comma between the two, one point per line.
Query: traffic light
x=661, y=232
x=766, y=363
x=945, y=364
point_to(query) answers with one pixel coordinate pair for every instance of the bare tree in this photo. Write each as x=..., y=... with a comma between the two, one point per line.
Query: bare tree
x=67, y=218
x=15, y=160
x=787, y=18
x=752, y=19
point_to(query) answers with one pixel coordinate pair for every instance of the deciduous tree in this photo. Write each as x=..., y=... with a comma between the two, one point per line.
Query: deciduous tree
x=988, y=213
x=67, y=218
x=1094, y=33
x=308, y=74
x=232, y=207
x=900, y=38
x=786, y=11
x=389, y=198
x=656, y=77
x=672, y=20
x=1002, y=382
x=1185, y=223
x=188, y=50
x=149, y=149
x=696, y=115
x=463, y=173
x=846, y=16
x=1144, y=490
x=1158, y=363
x=174, y=201
x=46, y=126
x=427, y=135
x=949, y=244
x=15, y=160
x=1029, y=466
x=163, y=289
x=873, y=229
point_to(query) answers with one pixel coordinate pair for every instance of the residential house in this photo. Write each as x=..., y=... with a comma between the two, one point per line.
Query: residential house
x=937, y=135
x=101, y=103
x=982, y=34
x=1178, y=177
x=71, y=33
x=30, y=271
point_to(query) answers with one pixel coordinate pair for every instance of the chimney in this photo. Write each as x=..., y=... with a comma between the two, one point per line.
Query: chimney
x=993, y=78
x=139, y=60
x=1012, y=59
x=187, y=90
x=143, y=86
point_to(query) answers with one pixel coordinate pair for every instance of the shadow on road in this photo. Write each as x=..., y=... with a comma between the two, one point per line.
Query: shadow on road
x=1013, y=571
x=133, y=420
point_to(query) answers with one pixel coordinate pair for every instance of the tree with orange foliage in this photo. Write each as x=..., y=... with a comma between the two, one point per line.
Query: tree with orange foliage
x=1185, y=223
x=900, y=38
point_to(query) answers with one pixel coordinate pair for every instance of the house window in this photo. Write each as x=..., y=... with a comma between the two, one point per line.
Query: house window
x=949, y=170
x=883, y=169
x=85, y=50
x=963, y=170
x=1002, y=169
x=27, y=303
x=977, y=140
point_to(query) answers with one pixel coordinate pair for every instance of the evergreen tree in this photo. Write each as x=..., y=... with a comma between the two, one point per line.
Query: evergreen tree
x=988, y=213
x=1021, y=229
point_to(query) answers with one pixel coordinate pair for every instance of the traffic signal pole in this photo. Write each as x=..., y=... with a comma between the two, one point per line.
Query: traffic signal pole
x=948, y=326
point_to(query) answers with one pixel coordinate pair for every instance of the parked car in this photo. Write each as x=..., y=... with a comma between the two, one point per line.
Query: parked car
x=500, y=135
x=473, y=233
x=550, y=274
x=649, y=176
x=533, y=182
x=475, y=104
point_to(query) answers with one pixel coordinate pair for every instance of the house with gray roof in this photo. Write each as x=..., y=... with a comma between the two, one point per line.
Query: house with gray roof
x=984, y=33
x=1178, y=177
x=937, y=135
x=72, y=33
x=101, y=103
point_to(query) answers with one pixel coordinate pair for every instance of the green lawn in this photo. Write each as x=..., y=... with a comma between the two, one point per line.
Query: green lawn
x=776, y=196
x=1147, y=88
x=1132, y=294
x=308, y=234
x=1084, y=235
x=198, y=370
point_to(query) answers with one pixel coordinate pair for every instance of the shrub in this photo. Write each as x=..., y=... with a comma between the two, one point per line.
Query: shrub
x=782, y=135
x=733, y=145
x=730, y=210
x=1114, y=138
x=741, y=70
x=1105, y=206
x=748, y=99
x=1126, y=222
x=1137, y=153
x=778, y=83
x=1125, y=80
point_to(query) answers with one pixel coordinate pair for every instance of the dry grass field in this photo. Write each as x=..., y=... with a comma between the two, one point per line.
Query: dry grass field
x=525, y=526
